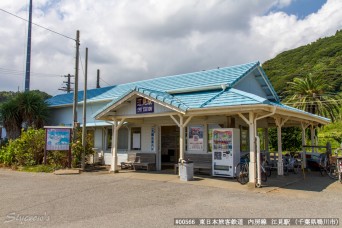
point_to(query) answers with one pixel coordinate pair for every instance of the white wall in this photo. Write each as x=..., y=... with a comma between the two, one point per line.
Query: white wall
x=250, y=85
x=64, y=115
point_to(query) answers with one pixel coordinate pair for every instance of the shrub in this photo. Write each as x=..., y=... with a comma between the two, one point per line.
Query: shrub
x=27, y=150
x=77, y=148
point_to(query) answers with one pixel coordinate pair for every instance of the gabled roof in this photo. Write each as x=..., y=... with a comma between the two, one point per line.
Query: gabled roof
x=197, y=81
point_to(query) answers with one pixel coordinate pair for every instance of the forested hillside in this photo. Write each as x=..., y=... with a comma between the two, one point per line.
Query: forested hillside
x=322, y=57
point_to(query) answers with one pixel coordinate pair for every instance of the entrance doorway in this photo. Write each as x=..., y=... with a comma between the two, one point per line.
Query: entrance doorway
x=169, y=146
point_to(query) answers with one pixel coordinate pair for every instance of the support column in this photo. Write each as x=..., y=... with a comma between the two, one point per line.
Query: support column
x=280, y=122
x=181, y=138
x=303, y=146
x=115, y=131
x=280, y=152
x=312, y=129
x=267, y=145
x=252, y=153
x=113, y=167
x=182, y=125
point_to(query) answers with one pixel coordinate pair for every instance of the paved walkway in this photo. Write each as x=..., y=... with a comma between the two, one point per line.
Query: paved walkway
x=141, y=199
x=307, y=181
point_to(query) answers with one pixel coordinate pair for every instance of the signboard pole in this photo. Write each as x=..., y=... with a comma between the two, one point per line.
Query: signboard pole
x=45, y=154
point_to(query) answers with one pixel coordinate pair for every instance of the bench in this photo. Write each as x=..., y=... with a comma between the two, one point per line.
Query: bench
x=145, y=160
x=201, y=162
x=131, y=158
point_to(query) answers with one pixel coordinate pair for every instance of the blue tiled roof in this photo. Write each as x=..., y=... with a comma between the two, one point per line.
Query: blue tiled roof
x=92, y=94
x=215, y=77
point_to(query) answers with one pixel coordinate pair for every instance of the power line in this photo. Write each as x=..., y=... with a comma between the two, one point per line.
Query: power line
x=19, y=73
x=50, y=30
x=105, y=81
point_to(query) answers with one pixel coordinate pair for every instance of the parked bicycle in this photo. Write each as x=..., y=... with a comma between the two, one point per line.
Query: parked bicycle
x=242, y=170
x=291, y=163
x=327, y=165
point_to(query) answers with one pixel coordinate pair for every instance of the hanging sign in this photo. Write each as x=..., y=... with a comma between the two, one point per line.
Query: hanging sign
x=144, y=105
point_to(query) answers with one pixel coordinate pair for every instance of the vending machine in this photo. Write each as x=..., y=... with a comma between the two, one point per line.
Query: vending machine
x=226, y=151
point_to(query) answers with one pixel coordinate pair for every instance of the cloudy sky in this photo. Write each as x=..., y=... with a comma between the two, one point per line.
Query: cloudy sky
x=131, y=40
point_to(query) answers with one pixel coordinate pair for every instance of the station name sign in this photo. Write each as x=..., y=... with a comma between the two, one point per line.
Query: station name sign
x=144, y=105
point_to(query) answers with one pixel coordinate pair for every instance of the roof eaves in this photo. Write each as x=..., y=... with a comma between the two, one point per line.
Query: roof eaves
x=112, y=103
x=286, y=107
x=164, y=97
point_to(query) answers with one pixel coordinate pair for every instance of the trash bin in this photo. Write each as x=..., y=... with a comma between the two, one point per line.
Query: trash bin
x=186, y=170
x=339, y=168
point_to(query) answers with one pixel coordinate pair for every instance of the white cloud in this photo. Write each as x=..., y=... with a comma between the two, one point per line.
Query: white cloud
x=280, y=31
x=133, y=40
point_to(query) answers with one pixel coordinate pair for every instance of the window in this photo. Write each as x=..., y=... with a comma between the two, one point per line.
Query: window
x=244, y=139
x=136, y=138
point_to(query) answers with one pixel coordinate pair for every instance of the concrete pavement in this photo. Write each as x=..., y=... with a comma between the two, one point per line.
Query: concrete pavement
x=139, y=199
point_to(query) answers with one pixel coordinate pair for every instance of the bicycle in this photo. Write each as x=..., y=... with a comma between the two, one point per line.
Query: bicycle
x=291, y=163
x=242, y=170
x=327, y=165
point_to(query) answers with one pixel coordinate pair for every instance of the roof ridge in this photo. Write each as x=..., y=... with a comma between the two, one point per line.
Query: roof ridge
x=250, y=95
x=212, y=98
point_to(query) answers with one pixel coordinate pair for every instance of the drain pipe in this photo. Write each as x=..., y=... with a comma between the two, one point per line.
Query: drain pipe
x=258, y=184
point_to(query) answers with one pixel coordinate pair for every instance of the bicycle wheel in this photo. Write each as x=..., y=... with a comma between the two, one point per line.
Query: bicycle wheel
x=263, y=176
x=243, y=175
x=286, y=168
x=332, y=171
x=237, y=171
x=296, y=167
x=267, y=168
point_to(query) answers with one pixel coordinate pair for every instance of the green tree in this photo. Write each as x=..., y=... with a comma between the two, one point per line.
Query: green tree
x=291, y=139
x=24, y=109
x=313, y=94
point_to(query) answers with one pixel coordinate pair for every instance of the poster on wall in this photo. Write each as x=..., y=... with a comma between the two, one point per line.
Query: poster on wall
x=195, y=140
x=58, y=138
x=144, y=105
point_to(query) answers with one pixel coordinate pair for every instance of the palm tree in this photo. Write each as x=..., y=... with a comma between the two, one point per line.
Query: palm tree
x=27, y=108
x=311, y=94
x=11, y=119
x=32, y=108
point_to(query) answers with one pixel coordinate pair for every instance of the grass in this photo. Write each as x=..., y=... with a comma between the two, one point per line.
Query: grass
x=38, y=168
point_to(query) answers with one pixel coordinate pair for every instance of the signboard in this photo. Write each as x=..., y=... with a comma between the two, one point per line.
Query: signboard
x=58, y=138
x=144, y=105
x=195, y=141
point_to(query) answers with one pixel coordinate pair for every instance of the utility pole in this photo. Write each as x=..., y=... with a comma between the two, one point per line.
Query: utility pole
x=67, y=87
x=84, y=129
x=28, y=51
x=75, y=124
x=98, y=79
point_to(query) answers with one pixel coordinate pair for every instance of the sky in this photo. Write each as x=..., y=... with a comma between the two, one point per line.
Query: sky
x=130, y=40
